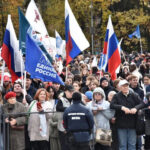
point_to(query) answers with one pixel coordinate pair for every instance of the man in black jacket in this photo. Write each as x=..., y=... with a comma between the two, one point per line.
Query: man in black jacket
x=126, y=104
x=134, y=84
x=78, y=121
x=63, y=103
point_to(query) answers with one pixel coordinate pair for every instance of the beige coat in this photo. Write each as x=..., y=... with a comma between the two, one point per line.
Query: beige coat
x=34, y=122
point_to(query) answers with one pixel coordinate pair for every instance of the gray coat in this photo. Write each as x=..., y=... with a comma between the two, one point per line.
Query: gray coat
x=17, y=140
x=54, y=137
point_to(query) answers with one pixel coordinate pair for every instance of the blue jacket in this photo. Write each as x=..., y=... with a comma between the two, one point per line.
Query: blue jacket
x=78, y=120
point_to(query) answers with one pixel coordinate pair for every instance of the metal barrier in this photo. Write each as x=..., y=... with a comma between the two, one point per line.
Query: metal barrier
x=4, y=130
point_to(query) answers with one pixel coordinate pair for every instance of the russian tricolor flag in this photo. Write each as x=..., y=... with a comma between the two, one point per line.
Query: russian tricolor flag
x=76, y=42
x=10, y=51
x=111, y=59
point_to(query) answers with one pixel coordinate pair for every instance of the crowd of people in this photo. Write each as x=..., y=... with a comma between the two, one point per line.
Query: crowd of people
x=49, y=116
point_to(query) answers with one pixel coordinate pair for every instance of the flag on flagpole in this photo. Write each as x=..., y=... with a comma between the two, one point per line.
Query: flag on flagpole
x=10, y=51
x=119, y=48
x=114, y=59
x=110, y=59
x=25, y=26
x=36, y=39
x=136, y=33
x=59, y=44
x=103, y=63
x=34, y=17
x=41, y=68
x=76, y=41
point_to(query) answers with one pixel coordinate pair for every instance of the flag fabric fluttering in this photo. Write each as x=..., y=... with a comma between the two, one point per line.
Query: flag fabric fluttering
x=41, y=68
x=59, y=44
x=23, y=27
x=110, y=59
x=94, y=62
x=10, y=51
x=34, y=17
x=103, y=63
x=120, y=51
x=136, y=33
x=76, y=41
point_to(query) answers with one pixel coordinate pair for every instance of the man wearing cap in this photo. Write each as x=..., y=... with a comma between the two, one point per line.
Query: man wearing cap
x=63, y=103
x=78, y=122
x=16, y=122
x=126, y=104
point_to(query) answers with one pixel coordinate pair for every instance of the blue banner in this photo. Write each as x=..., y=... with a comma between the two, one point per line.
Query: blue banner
x=38, y=65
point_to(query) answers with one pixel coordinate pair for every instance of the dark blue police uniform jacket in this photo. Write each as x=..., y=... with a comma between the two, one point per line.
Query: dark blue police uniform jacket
x=79, y=121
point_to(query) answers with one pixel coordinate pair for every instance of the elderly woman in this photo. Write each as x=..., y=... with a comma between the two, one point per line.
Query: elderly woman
x=15, y=121
x=38, y=124
x=102, y=113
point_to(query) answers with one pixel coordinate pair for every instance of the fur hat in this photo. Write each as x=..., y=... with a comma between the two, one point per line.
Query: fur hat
x=76, y=96
x=10, y=95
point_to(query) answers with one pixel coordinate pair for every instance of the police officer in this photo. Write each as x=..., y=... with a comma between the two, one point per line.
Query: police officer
x=78, y=121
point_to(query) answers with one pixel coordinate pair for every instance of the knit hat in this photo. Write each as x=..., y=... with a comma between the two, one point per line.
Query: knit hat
x=89, y=95
x=102, y=79
x=76, y=96
x=10, y=95
x=99, y=90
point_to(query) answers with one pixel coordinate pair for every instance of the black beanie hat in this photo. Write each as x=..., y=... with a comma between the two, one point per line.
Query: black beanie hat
x=76, y=96
x=102, y=79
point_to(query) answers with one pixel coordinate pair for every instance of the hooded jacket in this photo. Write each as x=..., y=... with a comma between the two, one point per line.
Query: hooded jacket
x=103, y=116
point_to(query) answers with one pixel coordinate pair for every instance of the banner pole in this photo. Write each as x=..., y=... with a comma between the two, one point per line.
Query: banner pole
x=141, y=46
x=3, y=68
x=24, y=85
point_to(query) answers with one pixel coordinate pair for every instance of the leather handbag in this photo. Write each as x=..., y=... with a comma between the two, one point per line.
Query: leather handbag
x=104, y=136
